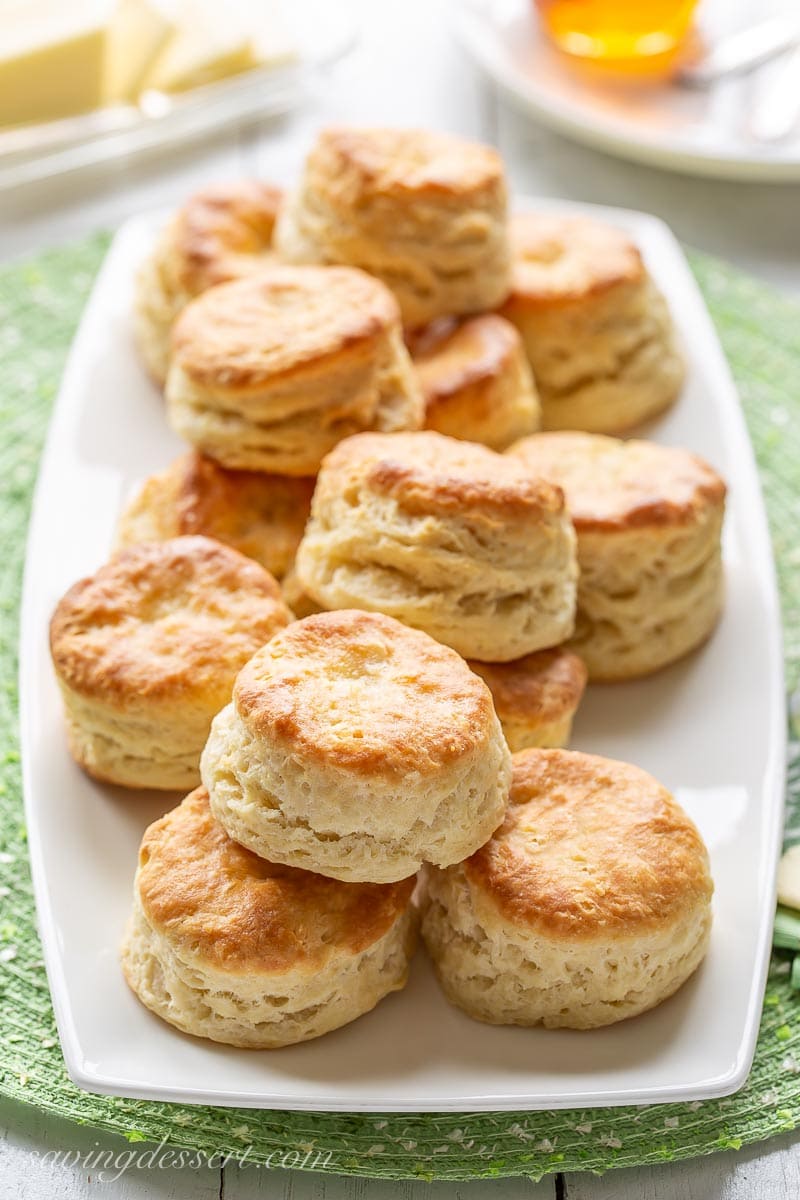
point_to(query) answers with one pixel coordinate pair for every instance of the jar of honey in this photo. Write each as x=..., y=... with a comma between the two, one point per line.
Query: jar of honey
x=629, y=35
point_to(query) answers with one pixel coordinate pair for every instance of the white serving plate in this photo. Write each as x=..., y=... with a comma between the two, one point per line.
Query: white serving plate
x=694, y=131
x=711, y=728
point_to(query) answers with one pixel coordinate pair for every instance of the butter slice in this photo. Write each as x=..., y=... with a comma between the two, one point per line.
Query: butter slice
x=206, y=47
x=273, y=44
x=51, y=61
x=138, y=32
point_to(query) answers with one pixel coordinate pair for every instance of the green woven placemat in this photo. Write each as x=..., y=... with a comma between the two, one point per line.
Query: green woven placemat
x=40, y=303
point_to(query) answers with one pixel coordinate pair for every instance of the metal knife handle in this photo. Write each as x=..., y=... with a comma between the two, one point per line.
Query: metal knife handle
x=744, y=50
x=776, y=112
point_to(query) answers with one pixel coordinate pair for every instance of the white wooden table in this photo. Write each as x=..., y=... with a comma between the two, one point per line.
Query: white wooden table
x=406, y=70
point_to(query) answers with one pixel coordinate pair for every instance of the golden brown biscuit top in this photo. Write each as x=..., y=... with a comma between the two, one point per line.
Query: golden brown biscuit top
x=429, y=473
x=262, y=516
x=612, y=484
x=165, y=619
x=558, y=259
x=242, y=914
x=222, y=232
x=354, y=164
x=362, y=692
x=541, y=687
x=278, y=321
x=451, y=357
x=590, y=849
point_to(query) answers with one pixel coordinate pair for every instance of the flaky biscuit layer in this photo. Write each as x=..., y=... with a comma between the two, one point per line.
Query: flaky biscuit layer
x=260, y=515
x=226, y=946
x=590, y=904
x=598, y=334
x=536, y=697
x=358, y=748
x=146, y=651
x=425, y=212
x=476, y=381
x=222, y=232
x=446, y=536
x=269, y=373
x=649, y=522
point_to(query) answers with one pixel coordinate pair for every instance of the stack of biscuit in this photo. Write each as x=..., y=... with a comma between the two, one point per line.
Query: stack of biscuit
x=361, y=369
x=275, y=903
x=447, y=536
x=596, y=329
x=223, y=232
x=425, y=212
x=268, y=373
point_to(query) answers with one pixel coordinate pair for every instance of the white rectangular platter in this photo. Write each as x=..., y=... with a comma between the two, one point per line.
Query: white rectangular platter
x=710, y=728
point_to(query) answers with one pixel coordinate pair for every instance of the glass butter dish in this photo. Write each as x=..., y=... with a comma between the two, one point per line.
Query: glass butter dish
x=142, y=85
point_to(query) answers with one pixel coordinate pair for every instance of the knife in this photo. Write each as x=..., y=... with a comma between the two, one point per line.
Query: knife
x=742, y=51
x=776, y=111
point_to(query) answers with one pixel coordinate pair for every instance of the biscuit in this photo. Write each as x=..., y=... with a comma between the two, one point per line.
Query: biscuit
x=221, y=233
x=446, y=536
x=296, y=597
x=597, y=331
x=476, y=380
x=649, y=522
x=535, y=697
x=261, y=516
x=357, y=748
x=270, y=372
x=146, y=651
x=425, y=212
x=591, y=903
x=226, y=946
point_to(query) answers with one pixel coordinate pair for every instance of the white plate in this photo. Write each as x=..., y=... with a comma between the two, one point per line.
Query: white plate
x=698, y=132
x=712, y=728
